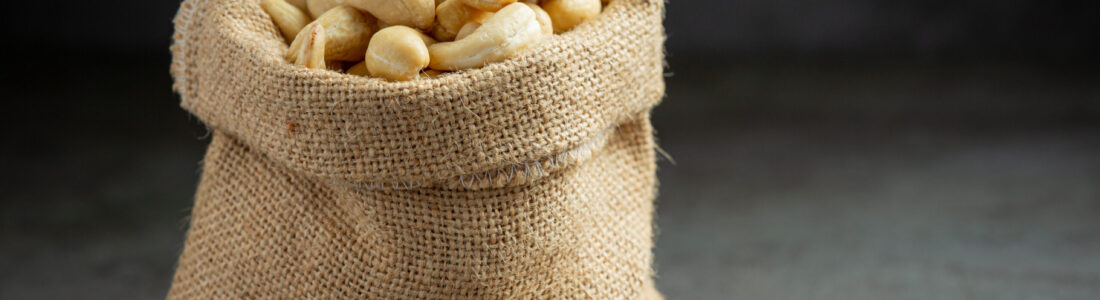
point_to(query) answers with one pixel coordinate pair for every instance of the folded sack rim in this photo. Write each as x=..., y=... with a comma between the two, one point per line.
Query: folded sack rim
x=554, y=98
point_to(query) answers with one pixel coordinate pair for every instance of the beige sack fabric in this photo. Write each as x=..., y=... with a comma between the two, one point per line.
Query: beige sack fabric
x=530, y=178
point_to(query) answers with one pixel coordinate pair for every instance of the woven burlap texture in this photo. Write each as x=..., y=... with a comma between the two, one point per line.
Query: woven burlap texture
x=529, y=178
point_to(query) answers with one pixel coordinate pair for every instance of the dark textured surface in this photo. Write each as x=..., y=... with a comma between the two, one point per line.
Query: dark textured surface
x=880, y=181
x=827, y=150
x=847, y=212
x=824, y=181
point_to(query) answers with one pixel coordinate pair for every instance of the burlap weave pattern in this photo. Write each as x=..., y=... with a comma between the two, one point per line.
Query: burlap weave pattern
x=530, y=178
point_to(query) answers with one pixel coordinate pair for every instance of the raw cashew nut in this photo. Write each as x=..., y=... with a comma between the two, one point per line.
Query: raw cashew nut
x=568, y=13
x=429, y=73
x=443, y=35
x=412, y=13
x=289, y=18
x=301, y=4
x=359, y=69
x=543, y=18
x=383, y=24
x=473, y=25
x=311, y=47
x=319, y=7
x=452, y=15
x=398, y=53
x=467, y=29
x=511, y=30
x=335, y=65
x=348, y=31
x=488, y=5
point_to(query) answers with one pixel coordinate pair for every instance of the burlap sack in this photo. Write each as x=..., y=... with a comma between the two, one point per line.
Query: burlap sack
x=531, y=178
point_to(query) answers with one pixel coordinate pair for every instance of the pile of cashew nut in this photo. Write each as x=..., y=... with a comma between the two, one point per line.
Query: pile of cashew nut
x=408, y=39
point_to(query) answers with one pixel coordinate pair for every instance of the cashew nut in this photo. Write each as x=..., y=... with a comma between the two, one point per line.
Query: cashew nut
x=429, y=73
x=319, y=7
x=383, y=24
x=335, y=65
x=565, y=14
x=359, y=69
x=398, y=53
x=443, y=35
x=512, y=29
x=387, y=36
x=412, y=13
x=488, y=5
x=286, y=16
x=543, y=18
x=467, y=29
x=472, y=25
x=452, y=15
x=310, y=52
x=348, y=32
x=300, y=4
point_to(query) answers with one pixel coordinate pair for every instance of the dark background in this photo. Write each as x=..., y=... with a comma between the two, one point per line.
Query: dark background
x=828, y=149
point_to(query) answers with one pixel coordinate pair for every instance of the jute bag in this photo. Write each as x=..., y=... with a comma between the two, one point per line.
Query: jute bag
x=530, y=178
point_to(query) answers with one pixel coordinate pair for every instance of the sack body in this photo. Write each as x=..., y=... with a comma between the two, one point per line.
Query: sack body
x=530, y=178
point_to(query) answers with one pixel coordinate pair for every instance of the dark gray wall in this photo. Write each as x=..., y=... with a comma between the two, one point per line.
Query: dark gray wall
x=741, y=28
x=899, y=28
x=975, y=136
